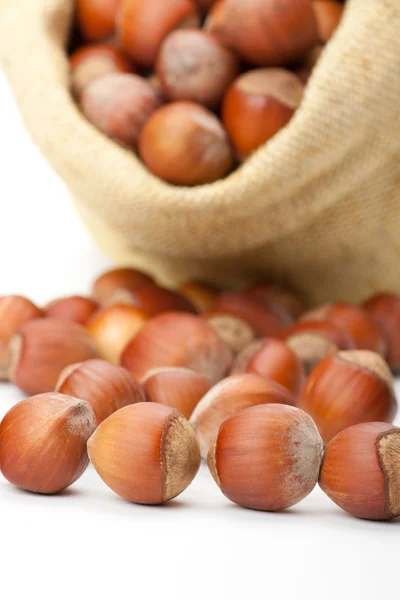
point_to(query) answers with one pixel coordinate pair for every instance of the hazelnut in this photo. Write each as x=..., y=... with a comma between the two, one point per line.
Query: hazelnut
x=176, y=387
x=147, y=453
x=73, y=308
x=384, y=309
x=263, y=321
x=43, y=442
x=193, y=65
x=96, y=18
x=110, y=282
x=95, y=61
x=113, y=328
x=328, y=14
x=313, y=341
x=349, y=388
x=14, y=312
x=177, y=340
x=275, y=361
x=243, y=358
x=235, y=332
x=42, y=348
x=229, y=397
x=267, y=457
x=119, y=104
x=274, y=294
x=198, y=150
x=258, y=105
x=142, y=25
x=153, y=300
x=270, y=32
x=105, y=387
x=361, y=471
x=199, y=294
x=215, y=22
x=356, y=321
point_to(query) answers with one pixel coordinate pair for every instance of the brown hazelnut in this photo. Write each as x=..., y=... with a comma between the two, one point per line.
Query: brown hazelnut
x=177, y=340
x=153, y=300
x=73, y=308
x=199, y=294
x=142, y=25
x=267, y=457
x=176, y=387
x=119, y=104
x=112, y=328
x=353, y=319
x=276, y=295
x=193, y=65
x=270, y=32
x=229, y=397
x=14, y=312
x=235, y=332
x=384, y=309
x=105, y=387
x=258, y=105
x=112, y=281
x=185, y=144
x=361, y=471
x=42, y=348
x=43, y=442
x=96, y=18
x=146, y=453
x=95, y=61
x=349, y=388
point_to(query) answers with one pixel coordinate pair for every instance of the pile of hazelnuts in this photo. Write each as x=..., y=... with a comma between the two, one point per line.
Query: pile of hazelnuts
x=146, y=381
x=195, y=87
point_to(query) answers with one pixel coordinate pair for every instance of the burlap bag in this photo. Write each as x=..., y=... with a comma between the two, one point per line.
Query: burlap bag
x=318, y=206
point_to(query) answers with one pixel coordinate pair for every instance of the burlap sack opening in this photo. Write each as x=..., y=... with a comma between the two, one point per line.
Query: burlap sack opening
x=317, y=206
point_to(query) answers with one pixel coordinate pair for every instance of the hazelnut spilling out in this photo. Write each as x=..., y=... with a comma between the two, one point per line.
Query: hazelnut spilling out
x=113, y=328
x=264, y=322
x=94, y=61
x=199, y=151
x=229, y=397
x=235, y=332
x=112, y=281
x=270, y=32
x=361, y=471
x=178, y=340
x=281, y=296
x=153, y=300
x=356, y=321
x=313, y=341
x=275, y=361
x=96, y=18
x=258, y=105
x=193, y=65
x=42, y=348
x=119, y=104
x=14, y=312
x=328, y=14
x=146, y=453
x=43, y=442
x=105, y=387
x=177, y=388
x=349, y=388
x=384, y=309
x=73, y=308
x=267, y=457
x=142, y=25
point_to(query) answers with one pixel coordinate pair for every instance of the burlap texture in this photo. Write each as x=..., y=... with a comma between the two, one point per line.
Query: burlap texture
x=318, y=206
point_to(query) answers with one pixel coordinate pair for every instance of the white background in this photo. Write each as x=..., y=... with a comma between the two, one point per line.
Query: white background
x=88, y=543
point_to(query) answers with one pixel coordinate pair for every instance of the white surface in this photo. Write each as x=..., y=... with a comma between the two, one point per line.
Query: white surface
x=88, y=543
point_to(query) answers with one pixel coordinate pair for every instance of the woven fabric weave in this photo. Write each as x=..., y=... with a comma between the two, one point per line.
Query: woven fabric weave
x=318, y=206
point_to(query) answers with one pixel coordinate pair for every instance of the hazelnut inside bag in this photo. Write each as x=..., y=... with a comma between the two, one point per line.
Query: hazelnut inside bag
x=318, y=206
